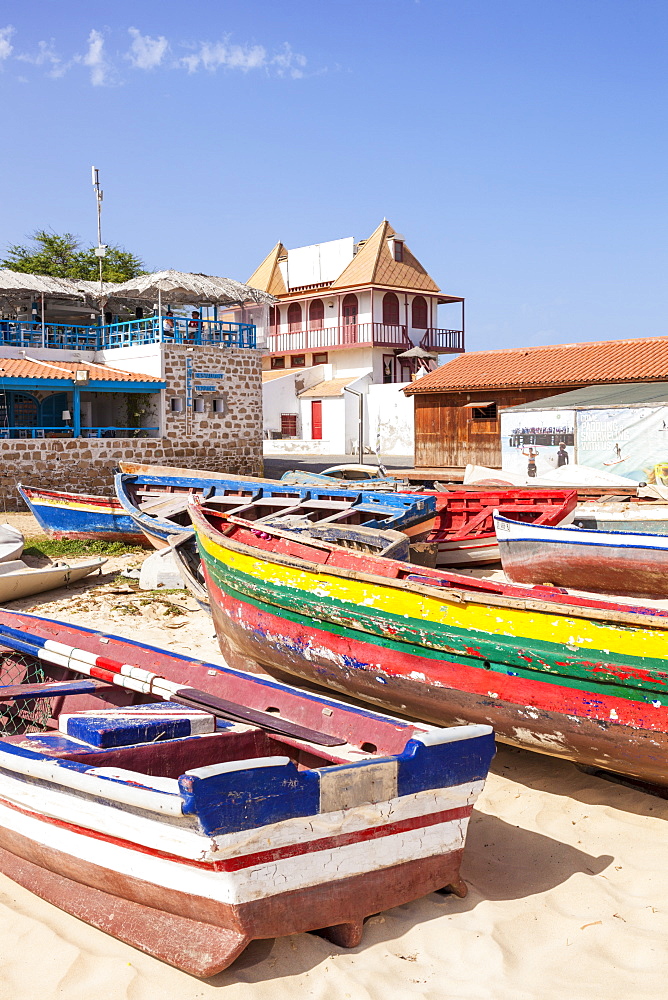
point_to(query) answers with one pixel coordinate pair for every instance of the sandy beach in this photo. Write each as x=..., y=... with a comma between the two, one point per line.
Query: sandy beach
x=568, y=892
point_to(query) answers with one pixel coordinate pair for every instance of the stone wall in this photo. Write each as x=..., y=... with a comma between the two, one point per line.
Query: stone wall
x=225, y=442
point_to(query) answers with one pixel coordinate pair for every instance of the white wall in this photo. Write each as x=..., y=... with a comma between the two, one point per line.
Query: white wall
x=389, y=419
x=141, y=359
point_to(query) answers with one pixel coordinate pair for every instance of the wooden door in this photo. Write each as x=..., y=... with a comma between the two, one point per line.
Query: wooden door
x=349, y=310
x=316, y=420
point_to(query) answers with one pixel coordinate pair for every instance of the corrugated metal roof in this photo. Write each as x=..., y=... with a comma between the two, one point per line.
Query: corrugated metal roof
x=641, y=359
x=611, y=395
x=32, y=368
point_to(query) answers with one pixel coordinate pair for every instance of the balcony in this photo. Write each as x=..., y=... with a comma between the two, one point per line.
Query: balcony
x=154, y=330
x=443, y=341
x=330, y=337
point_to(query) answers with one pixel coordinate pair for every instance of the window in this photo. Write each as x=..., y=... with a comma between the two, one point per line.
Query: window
x=274, y=318
x=390, y=309
x=218, y=405
x=487, y=412
x=277, y=363
x=176, y=405
x=316, y=314
x=320, y=359
x=398, y=251
x=294, y=317
x=288, y=425
x=388, y=368
x=298, y=361
x=419, y=313
x=198, y=405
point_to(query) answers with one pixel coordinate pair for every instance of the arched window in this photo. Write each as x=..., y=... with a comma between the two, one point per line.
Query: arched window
x=316, y=314
x=349, y=314
x=294, y=316
x=419, y=313
x=390, y=309
x=274, y=318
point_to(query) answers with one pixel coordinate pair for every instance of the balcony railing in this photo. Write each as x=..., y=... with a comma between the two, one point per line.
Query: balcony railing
x=346, y=335
x=170, y=329
x=447, y=341
x=86, y=432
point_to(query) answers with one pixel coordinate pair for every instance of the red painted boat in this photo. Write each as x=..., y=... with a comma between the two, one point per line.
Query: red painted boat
x=464, y=528
x=189, y=822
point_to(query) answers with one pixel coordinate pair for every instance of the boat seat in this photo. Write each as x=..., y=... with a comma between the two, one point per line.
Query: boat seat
x=136, y=724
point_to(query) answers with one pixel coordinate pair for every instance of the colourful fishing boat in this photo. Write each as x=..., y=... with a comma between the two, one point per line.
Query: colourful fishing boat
x=571, y=676
x=189, y=821
x=77, y=515
x=158, y=505
x=464, y=527
x=613, y=562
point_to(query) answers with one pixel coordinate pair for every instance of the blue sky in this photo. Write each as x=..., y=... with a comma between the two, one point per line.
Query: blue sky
x=519, y=145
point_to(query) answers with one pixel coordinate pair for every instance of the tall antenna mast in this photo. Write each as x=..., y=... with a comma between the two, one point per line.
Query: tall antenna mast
x=101, y=249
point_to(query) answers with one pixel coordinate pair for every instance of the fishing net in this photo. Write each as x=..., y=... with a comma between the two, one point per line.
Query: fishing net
x=29, y=715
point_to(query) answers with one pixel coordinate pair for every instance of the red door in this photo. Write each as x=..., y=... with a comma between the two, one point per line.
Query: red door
x=316, y=420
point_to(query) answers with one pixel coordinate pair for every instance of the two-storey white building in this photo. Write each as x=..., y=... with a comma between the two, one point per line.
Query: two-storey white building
x=346, y=313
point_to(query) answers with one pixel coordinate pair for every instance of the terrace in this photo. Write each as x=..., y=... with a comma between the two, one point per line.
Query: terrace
x=153, y=330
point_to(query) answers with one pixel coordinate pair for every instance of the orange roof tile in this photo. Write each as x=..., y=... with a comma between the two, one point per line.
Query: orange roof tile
x=374, y=264
x=644, y=359
x=267, y=277
x=31, y=368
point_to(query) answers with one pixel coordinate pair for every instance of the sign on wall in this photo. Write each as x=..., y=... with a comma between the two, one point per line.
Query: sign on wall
x=534, y=442
x=629, y=442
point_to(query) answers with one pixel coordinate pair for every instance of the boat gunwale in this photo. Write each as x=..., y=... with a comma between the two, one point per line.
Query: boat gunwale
x=658, y=620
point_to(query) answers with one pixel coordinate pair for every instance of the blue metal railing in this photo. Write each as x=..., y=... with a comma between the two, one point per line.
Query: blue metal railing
x=169, y=329
x=86, y=432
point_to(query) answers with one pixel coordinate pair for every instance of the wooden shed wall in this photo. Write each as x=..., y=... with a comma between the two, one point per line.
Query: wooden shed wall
x=446, y=434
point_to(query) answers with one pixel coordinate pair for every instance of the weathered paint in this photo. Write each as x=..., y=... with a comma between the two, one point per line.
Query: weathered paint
x=74, y=515
x=238, y=846
x=603, y=686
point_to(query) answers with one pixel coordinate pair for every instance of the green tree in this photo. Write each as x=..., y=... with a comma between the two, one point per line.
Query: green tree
x=62, y=256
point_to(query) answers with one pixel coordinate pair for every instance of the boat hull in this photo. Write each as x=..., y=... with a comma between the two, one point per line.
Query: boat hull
x=613, y=562
x=74, y=515
x=598, y=699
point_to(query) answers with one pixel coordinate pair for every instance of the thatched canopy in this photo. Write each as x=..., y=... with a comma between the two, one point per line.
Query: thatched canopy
x=181, y=288
x=420, y=353
x=16, y=286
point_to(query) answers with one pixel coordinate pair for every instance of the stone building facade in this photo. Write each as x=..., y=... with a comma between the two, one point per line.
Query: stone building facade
x=192, y=434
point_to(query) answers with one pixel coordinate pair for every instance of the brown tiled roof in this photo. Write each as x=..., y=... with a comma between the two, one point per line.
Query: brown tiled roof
x=644, y=359
x=331, y=387
x=267, y=277
x=269, y=376
x=30, y=368
x=374, y=264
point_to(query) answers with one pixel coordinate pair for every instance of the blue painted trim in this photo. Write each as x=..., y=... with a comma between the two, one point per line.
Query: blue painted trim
x=102, y=385
x=423, y=767
x=103, y=732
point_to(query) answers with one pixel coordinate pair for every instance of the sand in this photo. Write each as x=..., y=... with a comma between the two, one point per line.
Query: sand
x=568, y=887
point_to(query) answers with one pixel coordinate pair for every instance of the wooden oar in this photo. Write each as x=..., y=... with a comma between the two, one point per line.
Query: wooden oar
x=134, y=678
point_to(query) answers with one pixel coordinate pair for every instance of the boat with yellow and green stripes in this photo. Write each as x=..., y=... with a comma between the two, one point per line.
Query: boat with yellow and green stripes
x=569, y=675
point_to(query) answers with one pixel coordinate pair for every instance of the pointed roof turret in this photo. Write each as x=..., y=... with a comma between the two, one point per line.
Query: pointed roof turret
x=267, y=277
x=374, y=264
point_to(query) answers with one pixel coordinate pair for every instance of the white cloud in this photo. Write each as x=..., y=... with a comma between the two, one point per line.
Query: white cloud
x=146, y=52
x=215, y=55
x=95, y=59
x=6, y=47
x=46, y=55
x=289, y=63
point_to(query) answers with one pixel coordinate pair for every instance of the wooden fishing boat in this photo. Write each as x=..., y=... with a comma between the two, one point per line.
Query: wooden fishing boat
x=19, y=580
x=77, y=515
x=571, y=676
x=11, y=543
x=158, y=505
x=171, y=471
x=188, y=822
x=464, y=527
x=613, y=562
